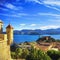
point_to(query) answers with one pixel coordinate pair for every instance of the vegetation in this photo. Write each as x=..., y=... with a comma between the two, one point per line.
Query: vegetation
x=32, y=54
x=20, y=53
x=57, y=40
x=37, y=55
x=55, y=55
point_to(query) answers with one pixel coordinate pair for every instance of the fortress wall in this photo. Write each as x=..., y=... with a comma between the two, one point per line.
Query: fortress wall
x=4, y=48
x=4, y=51
x=4, y=40
x=3, y=37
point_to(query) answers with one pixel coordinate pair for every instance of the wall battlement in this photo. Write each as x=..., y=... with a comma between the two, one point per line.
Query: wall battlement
x=3, y=37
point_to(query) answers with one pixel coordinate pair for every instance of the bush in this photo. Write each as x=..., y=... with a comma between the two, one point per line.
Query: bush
x=37, y=55
x=55, y=55
x=18, y=53
x=13, y=55
x=24, y=53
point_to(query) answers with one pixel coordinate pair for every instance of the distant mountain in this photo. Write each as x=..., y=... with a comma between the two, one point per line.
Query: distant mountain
x=52, y=31
x=37, y=31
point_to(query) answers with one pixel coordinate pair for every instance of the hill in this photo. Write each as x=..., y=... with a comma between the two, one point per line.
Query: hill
x=37, y=31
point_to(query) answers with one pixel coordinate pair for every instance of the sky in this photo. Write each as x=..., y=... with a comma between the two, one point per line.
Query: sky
x=30, y=14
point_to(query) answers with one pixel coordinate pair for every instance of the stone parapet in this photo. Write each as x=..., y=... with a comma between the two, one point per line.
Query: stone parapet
x=3, y=37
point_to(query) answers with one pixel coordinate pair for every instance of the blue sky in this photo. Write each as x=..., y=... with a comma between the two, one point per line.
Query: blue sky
x=30, y=14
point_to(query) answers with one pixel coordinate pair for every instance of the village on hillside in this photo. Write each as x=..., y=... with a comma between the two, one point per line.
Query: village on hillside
x=44, y=43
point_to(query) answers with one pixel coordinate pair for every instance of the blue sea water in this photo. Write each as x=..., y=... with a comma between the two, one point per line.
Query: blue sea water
x=30, y=38
x=23, y=38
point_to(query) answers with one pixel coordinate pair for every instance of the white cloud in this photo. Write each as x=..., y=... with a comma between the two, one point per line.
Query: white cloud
x=9, y=15
x=22, y=25
x=53, y=17
x=32, y=25
x=36, y=1
x=52, y=7
x=52, y=2
x=11, y=6
x=48, y=3
x=49, y=27
x=49, y=14
x=57, y=20
x=3, y=9
x=14, y=14
x=23, y=14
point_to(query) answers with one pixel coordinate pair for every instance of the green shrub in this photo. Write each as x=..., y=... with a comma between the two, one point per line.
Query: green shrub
x=37, y=55
x=55, y=55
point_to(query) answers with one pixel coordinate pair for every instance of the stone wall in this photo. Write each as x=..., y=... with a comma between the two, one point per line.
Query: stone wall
x=4, y=48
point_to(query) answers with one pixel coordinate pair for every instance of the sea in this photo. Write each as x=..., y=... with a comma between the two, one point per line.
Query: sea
x=31, y=38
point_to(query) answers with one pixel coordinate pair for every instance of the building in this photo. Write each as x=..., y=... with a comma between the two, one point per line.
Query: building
x=44, y=46
x=45, y=39
x=5, y=41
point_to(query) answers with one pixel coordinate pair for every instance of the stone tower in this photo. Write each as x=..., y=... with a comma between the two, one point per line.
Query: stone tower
x=5, y=42
x=1, y=26
x=9, y=31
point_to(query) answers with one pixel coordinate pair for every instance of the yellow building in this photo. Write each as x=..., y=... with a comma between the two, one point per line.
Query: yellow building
x=5, y=42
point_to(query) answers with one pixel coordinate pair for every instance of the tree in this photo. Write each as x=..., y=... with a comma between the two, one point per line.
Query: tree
x=59, y=59
x=37, y=55
x=55, y=55
x=25, y=53
x=13, y=47
x=13, y=55
x=18, y=52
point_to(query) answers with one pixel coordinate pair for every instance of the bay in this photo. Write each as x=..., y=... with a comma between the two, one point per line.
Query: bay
x=31, y=38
